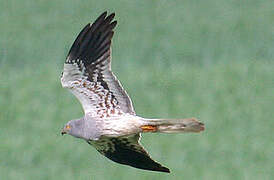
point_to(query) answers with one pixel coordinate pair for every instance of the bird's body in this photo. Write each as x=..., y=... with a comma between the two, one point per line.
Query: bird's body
x=94, y=128
x=110, y=123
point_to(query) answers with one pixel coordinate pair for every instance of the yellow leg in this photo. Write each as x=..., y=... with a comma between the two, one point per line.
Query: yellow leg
x=149, y=128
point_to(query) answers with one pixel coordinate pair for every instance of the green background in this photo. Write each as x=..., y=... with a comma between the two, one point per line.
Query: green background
x=211, y=59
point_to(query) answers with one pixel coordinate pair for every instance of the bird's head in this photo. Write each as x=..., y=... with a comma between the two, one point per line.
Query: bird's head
x=74, y=128
x=66, y=129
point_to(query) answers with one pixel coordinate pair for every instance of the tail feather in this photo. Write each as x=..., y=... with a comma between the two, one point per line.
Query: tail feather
x=172, y=125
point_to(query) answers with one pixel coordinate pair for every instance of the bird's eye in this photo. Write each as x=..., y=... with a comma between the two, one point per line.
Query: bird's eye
x=68, y=127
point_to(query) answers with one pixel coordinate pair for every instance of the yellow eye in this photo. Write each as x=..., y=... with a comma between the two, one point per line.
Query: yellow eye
x=68, y=127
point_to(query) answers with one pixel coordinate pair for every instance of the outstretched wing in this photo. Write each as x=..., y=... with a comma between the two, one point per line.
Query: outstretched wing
x=127, y=150
x=87, y=71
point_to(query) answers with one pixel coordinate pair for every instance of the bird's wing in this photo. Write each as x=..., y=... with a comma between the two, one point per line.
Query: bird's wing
x=127, y=150
x=87, y=71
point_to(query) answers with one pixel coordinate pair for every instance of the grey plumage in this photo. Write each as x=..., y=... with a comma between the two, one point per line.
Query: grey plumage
x=110, y=123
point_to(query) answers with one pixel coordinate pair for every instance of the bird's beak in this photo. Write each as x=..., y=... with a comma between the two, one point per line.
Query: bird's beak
x=63, y=132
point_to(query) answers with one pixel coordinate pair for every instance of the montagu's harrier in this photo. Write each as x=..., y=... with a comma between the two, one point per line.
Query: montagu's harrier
x=110, y=123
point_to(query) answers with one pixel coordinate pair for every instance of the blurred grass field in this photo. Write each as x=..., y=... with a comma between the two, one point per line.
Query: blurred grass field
x=213, y=60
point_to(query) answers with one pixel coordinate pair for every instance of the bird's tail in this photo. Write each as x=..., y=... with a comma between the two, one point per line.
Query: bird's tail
x=172, y=125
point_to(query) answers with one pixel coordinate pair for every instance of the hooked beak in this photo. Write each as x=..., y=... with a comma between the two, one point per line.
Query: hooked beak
x=63, y=132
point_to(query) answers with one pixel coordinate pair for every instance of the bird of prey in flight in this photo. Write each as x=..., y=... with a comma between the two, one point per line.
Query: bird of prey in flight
x=110, y=123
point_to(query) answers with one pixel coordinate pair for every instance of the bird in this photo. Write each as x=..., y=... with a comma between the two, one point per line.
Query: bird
x=110, y=123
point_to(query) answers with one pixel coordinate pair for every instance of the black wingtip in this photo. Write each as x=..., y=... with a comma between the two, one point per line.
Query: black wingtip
x=157, y=167
x=94, y=40
x=163, y=169
x=103, y=15
x=111, y=16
